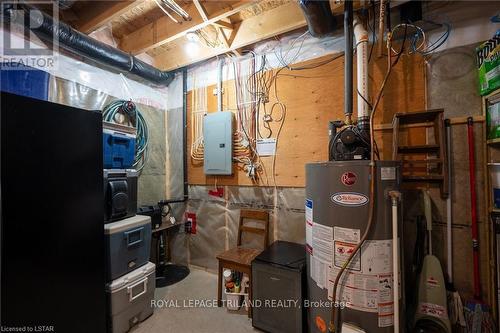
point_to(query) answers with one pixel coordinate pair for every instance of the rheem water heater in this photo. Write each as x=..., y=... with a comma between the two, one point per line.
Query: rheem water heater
x=337, y=208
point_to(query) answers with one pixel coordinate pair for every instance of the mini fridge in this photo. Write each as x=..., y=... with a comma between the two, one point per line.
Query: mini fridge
x=279, y=288
x=52, y=241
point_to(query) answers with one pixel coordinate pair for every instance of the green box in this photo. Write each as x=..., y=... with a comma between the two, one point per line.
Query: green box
x=493, y=121
x=488, y=62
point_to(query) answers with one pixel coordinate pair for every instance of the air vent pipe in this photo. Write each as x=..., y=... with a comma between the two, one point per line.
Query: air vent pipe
x=362, y=41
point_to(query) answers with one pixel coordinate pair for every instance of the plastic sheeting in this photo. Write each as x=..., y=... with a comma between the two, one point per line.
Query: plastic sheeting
x=107, y=82
x=218, y=219
x=293, y=48
x=151, y=186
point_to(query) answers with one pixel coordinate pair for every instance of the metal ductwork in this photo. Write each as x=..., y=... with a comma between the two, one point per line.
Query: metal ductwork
x=319, y=17
x=68, y=38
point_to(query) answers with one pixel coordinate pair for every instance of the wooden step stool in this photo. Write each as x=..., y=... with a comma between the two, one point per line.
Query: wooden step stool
x=422, y=163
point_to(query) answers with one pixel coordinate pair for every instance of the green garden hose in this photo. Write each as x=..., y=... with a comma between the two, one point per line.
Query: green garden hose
x=132, y=116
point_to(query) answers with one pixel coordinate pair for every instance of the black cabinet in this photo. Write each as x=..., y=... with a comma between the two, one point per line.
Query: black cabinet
x=279, y=288
x=52, y=241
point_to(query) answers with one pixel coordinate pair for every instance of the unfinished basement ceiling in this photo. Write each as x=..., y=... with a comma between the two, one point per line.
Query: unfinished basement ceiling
x=141, y=27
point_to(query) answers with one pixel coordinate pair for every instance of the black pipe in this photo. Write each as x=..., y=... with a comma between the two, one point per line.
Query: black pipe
x=319, y=17
x=45, y=28
x=348, y=69
x=184, y=142
x=184, y=133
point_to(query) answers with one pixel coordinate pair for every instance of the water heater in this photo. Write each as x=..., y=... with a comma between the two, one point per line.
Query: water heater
x=337, y=208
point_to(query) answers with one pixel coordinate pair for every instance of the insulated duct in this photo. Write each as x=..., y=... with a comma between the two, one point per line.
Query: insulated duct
x=68, y=38
x=319, y=17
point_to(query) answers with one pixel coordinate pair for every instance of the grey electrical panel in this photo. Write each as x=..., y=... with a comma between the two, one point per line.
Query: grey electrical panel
x=218, y=143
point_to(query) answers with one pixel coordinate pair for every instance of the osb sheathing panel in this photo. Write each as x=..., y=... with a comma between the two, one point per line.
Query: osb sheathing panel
x=313, y=98
x=257, y=9
x=145, y=12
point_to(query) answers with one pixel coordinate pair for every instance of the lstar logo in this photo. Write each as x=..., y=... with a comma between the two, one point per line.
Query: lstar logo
x=348, y=178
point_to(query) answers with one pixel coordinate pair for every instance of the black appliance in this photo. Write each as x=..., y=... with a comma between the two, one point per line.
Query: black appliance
x=120, y=194
x=153, y=211
x=52, y=242
x=279, y=276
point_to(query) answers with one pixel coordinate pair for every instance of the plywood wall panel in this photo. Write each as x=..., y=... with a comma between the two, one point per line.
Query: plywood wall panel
x=313, y=98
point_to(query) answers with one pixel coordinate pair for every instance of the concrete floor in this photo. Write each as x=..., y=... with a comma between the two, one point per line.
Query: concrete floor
x=174, y=317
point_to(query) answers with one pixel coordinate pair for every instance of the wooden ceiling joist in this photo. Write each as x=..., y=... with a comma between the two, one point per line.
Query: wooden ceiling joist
x=164, y=30
x=102, y=12
x=250, y=31
x=204, y=15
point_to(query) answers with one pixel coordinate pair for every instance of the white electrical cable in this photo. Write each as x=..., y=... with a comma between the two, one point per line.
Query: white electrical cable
x=418, y=29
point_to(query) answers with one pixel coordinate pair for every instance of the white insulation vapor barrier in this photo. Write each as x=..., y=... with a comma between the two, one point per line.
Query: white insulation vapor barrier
x=217, y=220
x=293, y=48
x=106, y=82
x=78, y=84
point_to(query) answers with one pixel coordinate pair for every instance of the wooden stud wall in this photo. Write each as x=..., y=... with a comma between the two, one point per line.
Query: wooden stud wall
x=313, y=98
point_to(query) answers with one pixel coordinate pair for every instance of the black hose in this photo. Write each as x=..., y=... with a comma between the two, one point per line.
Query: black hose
x=319, y=17
x=68, y=38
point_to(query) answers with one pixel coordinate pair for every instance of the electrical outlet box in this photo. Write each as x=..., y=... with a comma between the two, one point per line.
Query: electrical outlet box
x=218, y=143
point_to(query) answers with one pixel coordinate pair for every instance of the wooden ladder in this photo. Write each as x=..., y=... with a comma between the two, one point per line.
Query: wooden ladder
x=422, y=163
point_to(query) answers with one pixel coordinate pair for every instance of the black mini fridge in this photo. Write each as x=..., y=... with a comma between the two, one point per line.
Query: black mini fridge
x=279, y=288
x=52, y=238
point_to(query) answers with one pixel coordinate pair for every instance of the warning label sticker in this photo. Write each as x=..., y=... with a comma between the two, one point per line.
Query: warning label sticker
x=359, y=291
x=385, y=288
x=388, y=173
x=309, y=225
x=431, y=309
x=322, y=244
x=319, y=273
x=343, y=251
x=385, y=319
x=367, y=283
x=377, y=257
x=346, y=235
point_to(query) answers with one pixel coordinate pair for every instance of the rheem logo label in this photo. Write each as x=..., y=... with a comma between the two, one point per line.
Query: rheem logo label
x=348, y=178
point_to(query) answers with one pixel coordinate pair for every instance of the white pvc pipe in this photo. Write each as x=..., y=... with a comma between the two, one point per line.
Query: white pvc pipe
x=361, y=40
x=219, y=85
x=395, y=263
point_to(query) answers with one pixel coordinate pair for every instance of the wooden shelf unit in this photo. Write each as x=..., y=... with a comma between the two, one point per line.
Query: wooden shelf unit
x=493, y=141
x=491, y=153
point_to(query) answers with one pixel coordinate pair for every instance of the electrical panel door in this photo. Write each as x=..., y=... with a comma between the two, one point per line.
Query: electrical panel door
x=218, y=143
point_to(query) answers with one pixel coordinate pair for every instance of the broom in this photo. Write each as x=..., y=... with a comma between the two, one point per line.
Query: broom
x=455, y=306
x=477, y=313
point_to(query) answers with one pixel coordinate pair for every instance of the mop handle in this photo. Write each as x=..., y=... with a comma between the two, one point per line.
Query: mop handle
x=428, y=218
x=472, y=178
x=449, y=211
